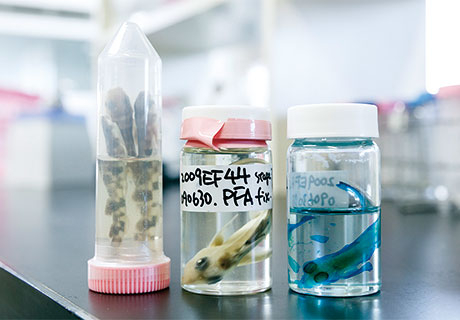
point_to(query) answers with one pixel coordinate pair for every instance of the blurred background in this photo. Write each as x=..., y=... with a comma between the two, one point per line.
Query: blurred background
x=399, y=54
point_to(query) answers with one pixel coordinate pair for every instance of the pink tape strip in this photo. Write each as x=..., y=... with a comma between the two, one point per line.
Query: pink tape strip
x=201, y=129
x=217, y=134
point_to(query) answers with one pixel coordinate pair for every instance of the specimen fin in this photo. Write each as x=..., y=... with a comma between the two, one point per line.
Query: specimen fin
x=114, y=141
x=245, y=233
x=257, y=257
x=218, y=238
x=366, y=267
x=248, y=161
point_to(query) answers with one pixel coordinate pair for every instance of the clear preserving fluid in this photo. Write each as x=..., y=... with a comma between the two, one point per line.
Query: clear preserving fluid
x=129, y=210
x=226, y=253
x=334, y=252
x=225, y=271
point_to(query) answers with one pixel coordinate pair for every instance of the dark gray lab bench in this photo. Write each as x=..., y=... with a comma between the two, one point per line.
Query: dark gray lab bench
x=46, y=239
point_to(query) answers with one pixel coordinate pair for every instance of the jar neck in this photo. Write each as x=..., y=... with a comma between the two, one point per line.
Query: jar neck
x=228, y=144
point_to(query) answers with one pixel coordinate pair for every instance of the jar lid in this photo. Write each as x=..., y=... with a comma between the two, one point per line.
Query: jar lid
x=213, y=125
x=223, y=113
x=332, y=120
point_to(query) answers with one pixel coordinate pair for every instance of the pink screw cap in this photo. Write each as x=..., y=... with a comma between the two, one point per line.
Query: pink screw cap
x=128, y=279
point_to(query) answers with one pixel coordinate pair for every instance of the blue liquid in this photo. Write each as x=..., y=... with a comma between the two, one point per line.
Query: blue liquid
x=319, y=238
x=347, y=263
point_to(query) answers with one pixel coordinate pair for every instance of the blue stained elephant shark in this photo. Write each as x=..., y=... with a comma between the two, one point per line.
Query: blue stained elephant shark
x=349, y=261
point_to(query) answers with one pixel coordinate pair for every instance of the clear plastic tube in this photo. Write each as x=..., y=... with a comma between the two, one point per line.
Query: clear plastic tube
x=129, y=230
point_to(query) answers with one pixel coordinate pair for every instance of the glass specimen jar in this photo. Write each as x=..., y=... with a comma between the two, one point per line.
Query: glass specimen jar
x=226, y=200
x=333, y=200
x=129, y=254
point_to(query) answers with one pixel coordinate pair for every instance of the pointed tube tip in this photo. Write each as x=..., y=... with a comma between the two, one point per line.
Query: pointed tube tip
x=129, y=40
x=132, y=27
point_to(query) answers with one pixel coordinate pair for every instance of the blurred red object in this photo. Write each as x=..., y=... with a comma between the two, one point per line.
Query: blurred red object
x=13, y=103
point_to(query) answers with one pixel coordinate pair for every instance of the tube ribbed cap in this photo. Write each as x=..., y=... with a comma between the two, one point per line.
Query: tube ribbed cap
x=332, y=120
x=129, y=278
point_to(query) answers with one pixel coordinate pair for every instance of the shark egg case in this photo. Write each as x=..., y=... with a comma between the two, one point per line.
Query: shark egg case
x=129, y=254
x=333, y=200
x=226, y=200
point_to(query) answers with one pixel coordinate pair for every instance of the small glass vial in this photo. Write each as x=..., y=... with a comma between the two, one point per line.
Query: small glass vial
x=129, y=229
x=333, y=200
x=226, y=200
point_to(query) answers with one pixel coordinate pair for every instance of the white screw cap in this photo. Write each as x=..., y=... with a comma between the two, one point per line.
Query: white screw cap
x=332, y=120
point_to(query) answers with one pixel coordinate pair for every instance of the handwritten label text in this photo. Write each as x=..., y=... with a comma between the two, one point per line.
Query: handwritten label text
x=226, y=188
